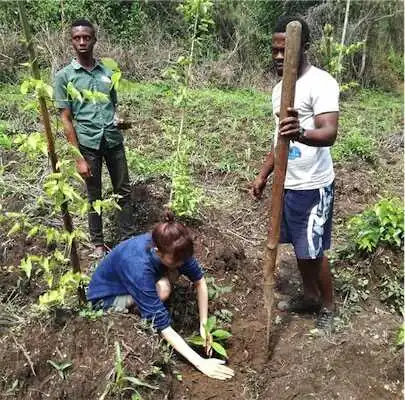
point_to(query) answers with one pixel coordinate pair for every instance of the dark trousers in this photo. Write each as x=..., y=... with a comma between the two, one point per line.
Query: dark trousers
x=118, y=169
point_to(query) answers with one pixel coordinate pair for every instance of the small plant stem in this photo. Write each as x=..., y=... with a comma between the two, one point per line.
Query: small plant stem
x=342, y=41
x=67, y=219
x=183, y=112
x=188, y=76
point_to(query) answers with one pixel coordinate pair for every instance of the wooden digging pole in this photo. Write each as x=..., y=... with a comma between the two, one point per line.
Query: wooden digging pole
x=290, y=72
x=67, y=219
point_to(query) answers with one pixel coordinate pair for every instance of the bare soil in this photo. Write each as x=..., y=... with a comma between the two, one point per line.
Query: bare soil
x=359, y=362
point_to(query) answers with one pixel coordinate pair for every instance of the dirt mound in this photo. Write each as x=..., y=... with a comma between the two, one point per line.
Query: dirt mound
x=89, y=346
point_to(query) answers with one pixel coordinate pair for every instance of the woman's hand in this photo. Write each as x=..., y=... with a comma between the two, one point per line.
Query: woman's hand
x=214, y=368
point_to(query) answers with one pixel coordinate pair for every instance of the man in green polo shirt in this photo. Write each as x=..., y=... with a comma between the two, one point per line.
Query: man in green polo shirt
x=90, y=125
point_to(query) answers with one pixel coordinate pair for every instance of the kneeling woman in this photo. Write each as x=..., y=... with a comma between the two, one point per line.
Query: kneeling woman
x=138, y=271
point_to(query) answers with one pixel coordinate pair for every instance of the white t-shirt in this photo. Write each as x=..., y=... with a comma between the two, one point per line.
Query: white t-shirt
x=309, y=167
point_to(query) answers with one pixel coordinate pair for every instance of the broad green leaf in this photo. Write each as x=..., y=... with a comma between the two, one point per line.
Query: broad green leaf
x=73, y=92
x=221, y=334
x=15, y=228
x=110, y=63
x=219, y=349
x=115, y=79
x=196, y=340
x=211, y=323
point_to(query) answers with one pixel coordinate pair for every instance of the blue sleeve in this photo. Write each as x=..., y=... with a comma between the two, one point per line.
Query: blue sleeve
x=60, y=92
x=192, y=269
x=146, y=298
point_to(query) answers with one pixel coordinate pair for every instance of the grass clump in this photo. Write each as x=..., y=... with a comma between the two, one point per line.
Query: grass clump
x=355, y=146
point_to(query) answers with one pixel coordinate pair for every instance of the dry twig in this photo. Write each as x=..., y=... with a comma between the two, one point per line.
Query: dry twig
x=26, y=355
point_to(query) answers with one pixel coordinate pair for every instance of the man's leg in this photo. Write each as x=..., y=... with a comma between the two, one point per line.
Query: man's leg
x=325, y=284
x=93, y=185
x=118, y=170
x=309, y=245
x=309, y=270
x=317, y=281
x=308, y=215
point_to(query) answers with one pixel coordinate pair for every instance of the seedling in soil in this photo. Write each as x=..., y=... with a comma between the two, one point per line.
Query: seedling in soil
x=214, y=290
x=91, y=314
x=61, y=367
x=121, y=379
x=215, y=338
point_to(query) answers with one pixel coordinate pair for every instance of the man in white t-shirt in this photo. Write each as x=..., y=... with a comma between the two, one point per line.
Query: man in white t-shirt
x=311, y=127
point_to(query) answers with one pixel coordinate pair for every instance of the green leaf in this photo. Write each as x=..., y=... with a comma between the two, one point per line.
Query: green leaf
x=221, y=334
x=138, y=382
x=97, y=206
x=54, y=364
x=15, y=228
x=211, y=323
x=219, y=349
x=26, y=266
x=25, y=87
x=33, y=231
x=110, y=63
x=60, y=367
x=73, y=92
x=119, y=371
x=196, y=340
x=115, y=79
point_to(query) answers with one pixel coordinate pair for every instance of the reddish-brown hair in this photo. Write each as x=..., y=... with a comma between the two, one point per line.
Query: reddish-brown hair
x=171, y=237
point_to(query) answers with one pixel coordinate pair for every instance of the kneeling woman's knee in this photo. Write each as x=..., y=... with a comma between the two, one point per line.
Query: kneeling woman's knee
x=163, y=288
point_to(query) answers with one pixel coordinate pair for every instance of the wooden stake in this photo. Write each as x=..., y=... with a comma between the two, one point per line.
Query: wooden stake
x=290, y=72
x=67, y=219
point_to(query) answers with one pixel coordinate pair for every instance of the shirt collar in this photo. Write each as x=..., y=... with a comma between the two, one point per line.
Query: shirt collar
x=76, y=65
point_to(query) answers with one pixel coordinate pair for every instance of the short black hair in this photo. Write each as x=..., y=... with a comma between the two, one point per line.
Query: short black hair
x=83, y=22
x=284, y=20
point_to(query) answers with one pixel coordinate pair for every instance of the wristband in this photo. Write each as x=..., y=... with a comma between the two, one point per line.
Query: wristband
x=301, y=134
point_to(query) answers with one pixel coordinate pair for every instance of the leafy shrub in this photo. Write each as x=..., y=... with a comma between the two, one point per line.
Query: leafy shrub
x=381, y=224
x=396, y=62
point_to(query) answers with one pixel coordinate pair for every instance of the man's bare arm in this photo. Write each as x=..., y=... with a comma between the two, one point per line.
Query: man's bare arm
x=67, y=120
x=324, y=134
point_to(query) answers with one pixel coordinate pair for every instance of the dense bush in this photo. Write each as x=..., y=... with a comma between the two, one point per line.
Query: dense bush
x=149, y=34
x=381, y=224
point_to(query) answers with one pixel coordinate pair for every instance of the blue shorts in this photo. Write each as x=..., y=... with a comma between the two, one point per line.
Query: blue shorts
x=307, y=221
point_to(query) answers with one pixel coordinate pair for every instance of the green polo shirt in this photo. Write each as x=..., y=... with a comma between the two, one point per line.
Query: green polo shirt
x=92, y=119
